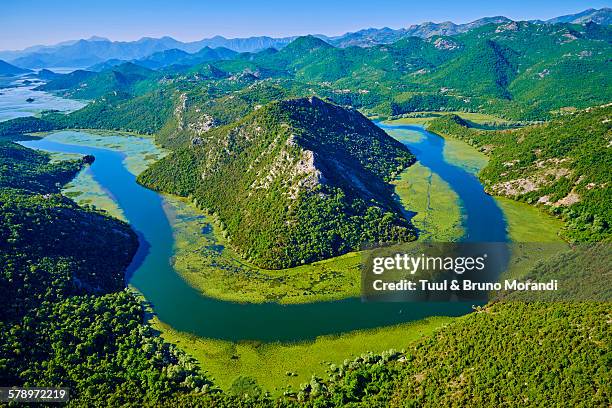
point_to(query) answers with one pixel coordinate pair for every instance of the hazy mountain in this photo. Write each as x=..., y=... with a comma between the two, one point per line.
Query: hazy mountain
x=602, y=16
x=86, y=53
x=47, y=75
x=97, y=50
x=11, y=55
x=178, y=57
x=251, y=44
x=170, y=57
x=9, y=70
x=102, y=66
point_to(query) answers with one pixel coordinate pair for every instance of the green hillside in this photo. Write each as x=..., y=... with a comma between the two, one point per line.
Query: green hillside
x=500, y=356
x=564, y=166
x=67, y=81
x=517, y=70
x=65, y=316
x=486, y=69
x=91, y=85
x=294, y=182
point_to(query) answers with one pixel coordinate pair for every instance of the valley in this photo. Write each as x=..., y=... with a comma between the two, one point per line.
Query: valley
x=188, y=226
x=217, y=277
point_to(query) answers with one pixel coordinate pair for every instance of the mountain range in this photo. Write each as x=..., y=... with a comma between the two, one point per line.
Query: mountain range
x=519, y=71
x=96, y=50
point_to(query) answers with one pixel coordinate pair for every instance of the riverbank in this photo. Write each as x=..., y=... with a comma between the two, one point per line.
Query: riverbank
x=202, y=257
x=205, y=260
x=271, y=364
x=525, y=223
x=482, y=120
x=274, y=366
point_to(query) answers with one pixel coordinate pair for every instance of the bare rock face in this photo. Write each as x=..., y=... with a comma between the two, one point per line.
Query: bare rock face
x=202, y=124
x=179, y=111
x=512, y=26
x=445, y=44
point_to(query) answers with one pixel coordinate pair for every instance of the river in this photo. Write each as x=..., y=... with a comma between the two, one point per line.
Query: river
x=483, y=220
x=184, y=308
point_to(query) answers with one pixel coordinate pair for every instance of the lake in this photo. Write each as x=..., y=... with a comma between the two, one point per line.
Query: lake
x=14, y=104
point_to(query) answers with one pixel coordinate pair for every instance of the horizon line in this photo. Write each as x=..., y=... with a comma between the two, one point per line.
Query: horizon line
x=144, y=37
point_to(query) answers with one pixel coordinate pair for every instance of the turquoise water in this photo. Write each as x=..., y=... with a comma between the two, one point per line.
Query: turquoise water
x=483, y=220
x=185, y=309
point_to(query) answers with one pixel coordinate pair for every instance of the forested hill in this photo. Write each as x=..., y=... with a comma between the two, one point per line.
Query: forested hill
x=65, y=316
x=295, y=181
x=517, y=70
x=564, y=165
x=92, y=85
x=65, y=321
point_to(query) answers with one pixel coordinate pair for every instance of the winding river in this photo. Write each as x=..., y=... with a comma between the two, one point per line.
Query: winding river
x=483, y=220
x=184, y=308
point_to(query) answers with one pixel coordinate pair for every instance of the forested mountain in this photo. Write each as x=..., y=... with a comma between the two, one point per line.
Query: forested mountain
x=520, y=71
x=563, y=165
x=294, y=182
x=499, y=355
x=96, y=50
x=67, y=81
x=488, y=68
x=65, y=316
x=90, y=85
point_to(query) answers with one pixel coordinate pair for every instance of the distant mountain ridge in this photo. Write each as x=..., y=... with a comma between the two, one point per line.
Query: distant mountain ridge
x=97, y=50
x=521, y=71
x=602, y=16
x=373, y=36
x=10, y=70
x=173, y=56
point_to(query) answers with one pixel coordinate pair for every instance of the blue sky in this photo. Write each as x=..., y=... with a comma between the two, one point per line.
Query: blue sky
x=28, y=22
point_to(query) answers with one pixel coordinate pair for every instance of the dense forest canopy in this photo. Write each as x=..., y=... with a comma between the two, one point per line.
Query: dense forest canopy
x=66, y=318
